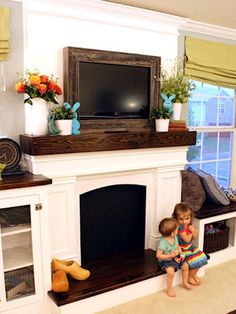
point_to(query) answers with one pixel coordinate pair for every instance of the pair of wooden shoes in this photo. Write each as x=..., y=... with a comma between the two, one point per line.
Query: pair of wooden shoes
x=61, y=269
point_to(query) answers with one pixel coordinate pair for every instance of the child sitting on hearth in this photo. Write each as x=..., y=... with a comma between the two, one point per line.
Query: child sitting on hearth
x=169, y=254
x=186, y=234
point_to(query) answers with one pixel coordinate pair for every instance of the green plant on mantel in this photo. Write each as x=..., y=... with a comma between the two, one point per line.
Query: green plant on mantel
x=176, y=83
x=62, y=113
x=161, y=112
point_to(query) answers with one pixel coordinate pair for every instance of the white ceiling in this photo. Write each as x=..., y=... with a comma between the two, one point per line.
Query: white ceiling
x=216, y=12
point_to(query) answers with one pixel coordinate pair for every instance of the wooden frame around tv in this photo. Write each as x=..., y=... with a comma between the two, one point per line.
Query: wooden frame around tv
x=73, y=56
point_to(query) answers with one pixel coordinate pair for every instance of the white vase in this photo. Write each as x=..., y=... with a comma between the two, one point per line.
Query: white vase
x=177, y=110
x=64, y=126
x=162, y=125
x=37, y=117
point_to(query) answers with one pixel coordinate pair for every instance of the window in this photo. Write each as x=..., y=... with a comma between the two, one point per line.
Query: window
x=211, y=113
x=221, y=108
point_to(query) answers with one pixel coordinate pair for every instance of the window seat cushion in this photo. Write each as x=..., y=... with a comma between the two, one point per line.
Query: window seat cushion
x=212, y=189
x=192, y=192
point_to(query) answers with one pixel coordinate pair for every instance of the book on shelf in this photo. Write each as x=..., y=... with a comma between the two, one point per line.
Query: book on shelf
x=178, y=122
x=177, y=125
x=173, y=129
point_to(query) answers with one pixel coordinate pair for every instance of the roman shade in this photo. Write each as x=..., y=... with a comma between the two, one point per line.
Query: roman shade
x=211, y=62
x=4, y=34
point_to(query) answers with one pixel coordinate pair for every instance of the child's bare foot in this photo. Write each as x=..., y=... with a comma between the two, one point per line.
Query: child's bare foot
x=197, y=280
x=187, y=286
x=171, y=293
x=192, y=281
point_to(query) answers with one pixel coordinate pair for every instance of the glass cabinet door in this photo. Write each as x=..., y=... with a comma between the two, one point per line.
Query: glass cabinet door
x=18, y=251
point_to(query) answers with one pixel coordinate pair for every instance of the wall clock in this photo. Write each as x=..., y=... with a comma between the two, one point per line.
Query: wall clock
x=10, y=154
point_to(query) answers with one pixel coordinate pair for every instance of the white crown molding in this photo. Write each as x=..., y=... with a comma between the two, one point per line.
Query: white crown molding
x=209, y=29
x=109, y=13
x=125, y=16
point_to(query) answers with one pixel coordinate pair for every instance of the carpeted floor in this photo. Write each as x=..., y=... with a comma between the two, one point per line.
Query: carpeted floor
x=216, y=295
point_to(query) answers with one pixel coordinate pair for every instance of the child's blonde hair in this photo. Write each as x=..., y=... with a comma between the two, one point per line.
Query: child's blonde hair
x=184, y=208
x=167, y=226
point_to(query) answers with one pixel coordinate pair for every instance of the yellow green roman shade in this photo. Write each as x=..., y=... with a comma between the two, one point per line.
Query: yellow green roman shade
x=211, y=62
x=4, y=34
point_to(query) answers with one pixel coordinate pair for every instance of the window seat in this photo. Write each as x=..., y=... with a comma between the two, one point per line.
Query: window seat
x=211, y=210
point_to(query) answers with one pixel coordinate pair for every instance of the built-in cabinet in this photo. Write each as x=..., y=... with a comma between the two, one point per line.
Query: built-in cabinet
x=227, y=253
x=24, y=255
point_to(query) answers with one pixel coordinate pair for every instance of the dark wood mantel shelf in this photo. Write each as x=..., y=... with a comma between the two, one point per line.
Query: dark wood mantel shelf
x=92, y=142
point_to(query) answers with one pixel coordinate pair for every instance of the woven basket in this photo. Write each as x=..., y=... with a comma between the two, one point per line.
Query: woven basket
x=214, y=242
x=19, y=283
x=12, y=216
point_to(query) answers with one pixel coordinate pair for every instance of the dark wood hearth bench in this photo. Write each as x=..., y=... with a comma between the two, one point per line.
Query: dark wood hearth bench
x=122, y=270
x=113, y=273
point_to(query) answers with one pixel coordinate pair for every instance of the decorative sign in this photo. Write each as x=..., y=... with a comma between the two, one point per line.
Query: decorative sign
x=10, y=155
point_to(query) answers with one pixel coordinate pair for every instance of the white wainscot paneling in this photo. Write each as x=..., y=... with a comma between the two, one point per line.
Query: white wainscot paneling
x=168, y=191
x=62, y=221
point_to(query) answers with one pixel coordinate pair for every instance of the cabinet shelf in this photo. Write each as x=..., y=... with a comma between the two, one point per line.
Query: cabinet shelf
x=8, y=231
x=17, y=257
x=229, y=215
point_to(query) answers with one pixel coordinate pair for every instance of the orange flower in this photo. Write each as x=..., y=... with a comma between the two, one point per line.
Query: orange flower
x=20, y=87
x=44, y=79
x=34, y=79
x=58, y=90
x=39, y=85
x=52, y=86
x=42, y=88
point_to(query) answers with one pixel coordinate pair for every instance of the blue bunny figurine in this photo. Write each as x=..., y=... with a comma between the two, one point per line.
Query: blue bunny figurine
x=168, y=100
x=75, y=122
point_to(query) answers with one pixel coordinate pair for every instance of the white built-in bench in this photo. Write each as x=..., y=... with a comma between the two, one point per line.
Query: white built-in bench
x=211, y=213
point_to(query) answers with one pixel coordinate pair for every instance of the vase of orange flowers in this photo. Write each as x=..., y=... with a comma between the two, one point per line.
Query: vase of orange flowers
x=40, y=91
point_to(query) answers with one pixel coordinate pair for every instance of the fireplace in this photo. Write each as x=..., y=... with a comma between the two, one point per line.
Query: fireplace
x=112, y=221
x=156, y=170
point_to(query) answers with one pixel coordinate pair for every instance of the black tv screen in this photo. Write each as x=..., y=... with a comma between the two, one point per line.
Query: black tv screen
x=113, y=91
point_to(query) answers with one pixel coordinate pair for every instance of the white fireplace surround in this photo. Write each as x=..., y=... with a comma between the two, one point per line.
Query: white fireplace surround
x=158, y=169
x=76, y=173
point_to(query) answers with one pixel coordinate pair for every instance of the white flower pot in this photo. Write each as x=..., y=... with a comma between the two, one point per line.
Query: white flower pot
x=64, y=126
x=177, y=110
x=162, y=125
x=37, y=117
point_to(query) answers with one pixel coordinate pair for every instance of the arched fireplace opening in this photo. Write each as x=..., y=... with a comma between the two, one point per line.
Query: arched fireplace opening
x=112, y=221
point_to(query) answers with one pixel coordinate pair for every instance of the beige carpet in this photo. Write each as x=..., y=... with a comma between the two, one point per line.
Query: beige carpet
x=216, y=295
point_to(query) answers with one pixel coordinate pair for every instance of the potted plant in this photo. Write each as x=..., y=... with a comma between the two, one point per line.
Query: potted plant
x=60, y=120
x=162, y=116
x=178, y=85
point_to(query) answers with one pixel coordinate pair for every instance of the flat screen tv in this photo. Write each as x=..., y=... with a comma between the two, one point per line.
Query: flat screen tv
x=111, y=86
x=113, y=91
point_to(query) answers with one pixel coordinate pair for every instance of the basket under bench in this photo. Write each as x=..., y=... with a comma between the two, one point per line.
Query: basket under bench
x=223, y=246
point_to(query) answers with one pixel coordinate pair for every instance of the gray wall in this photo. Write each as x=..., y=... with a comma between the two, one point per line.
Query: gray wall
x=12, y=104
